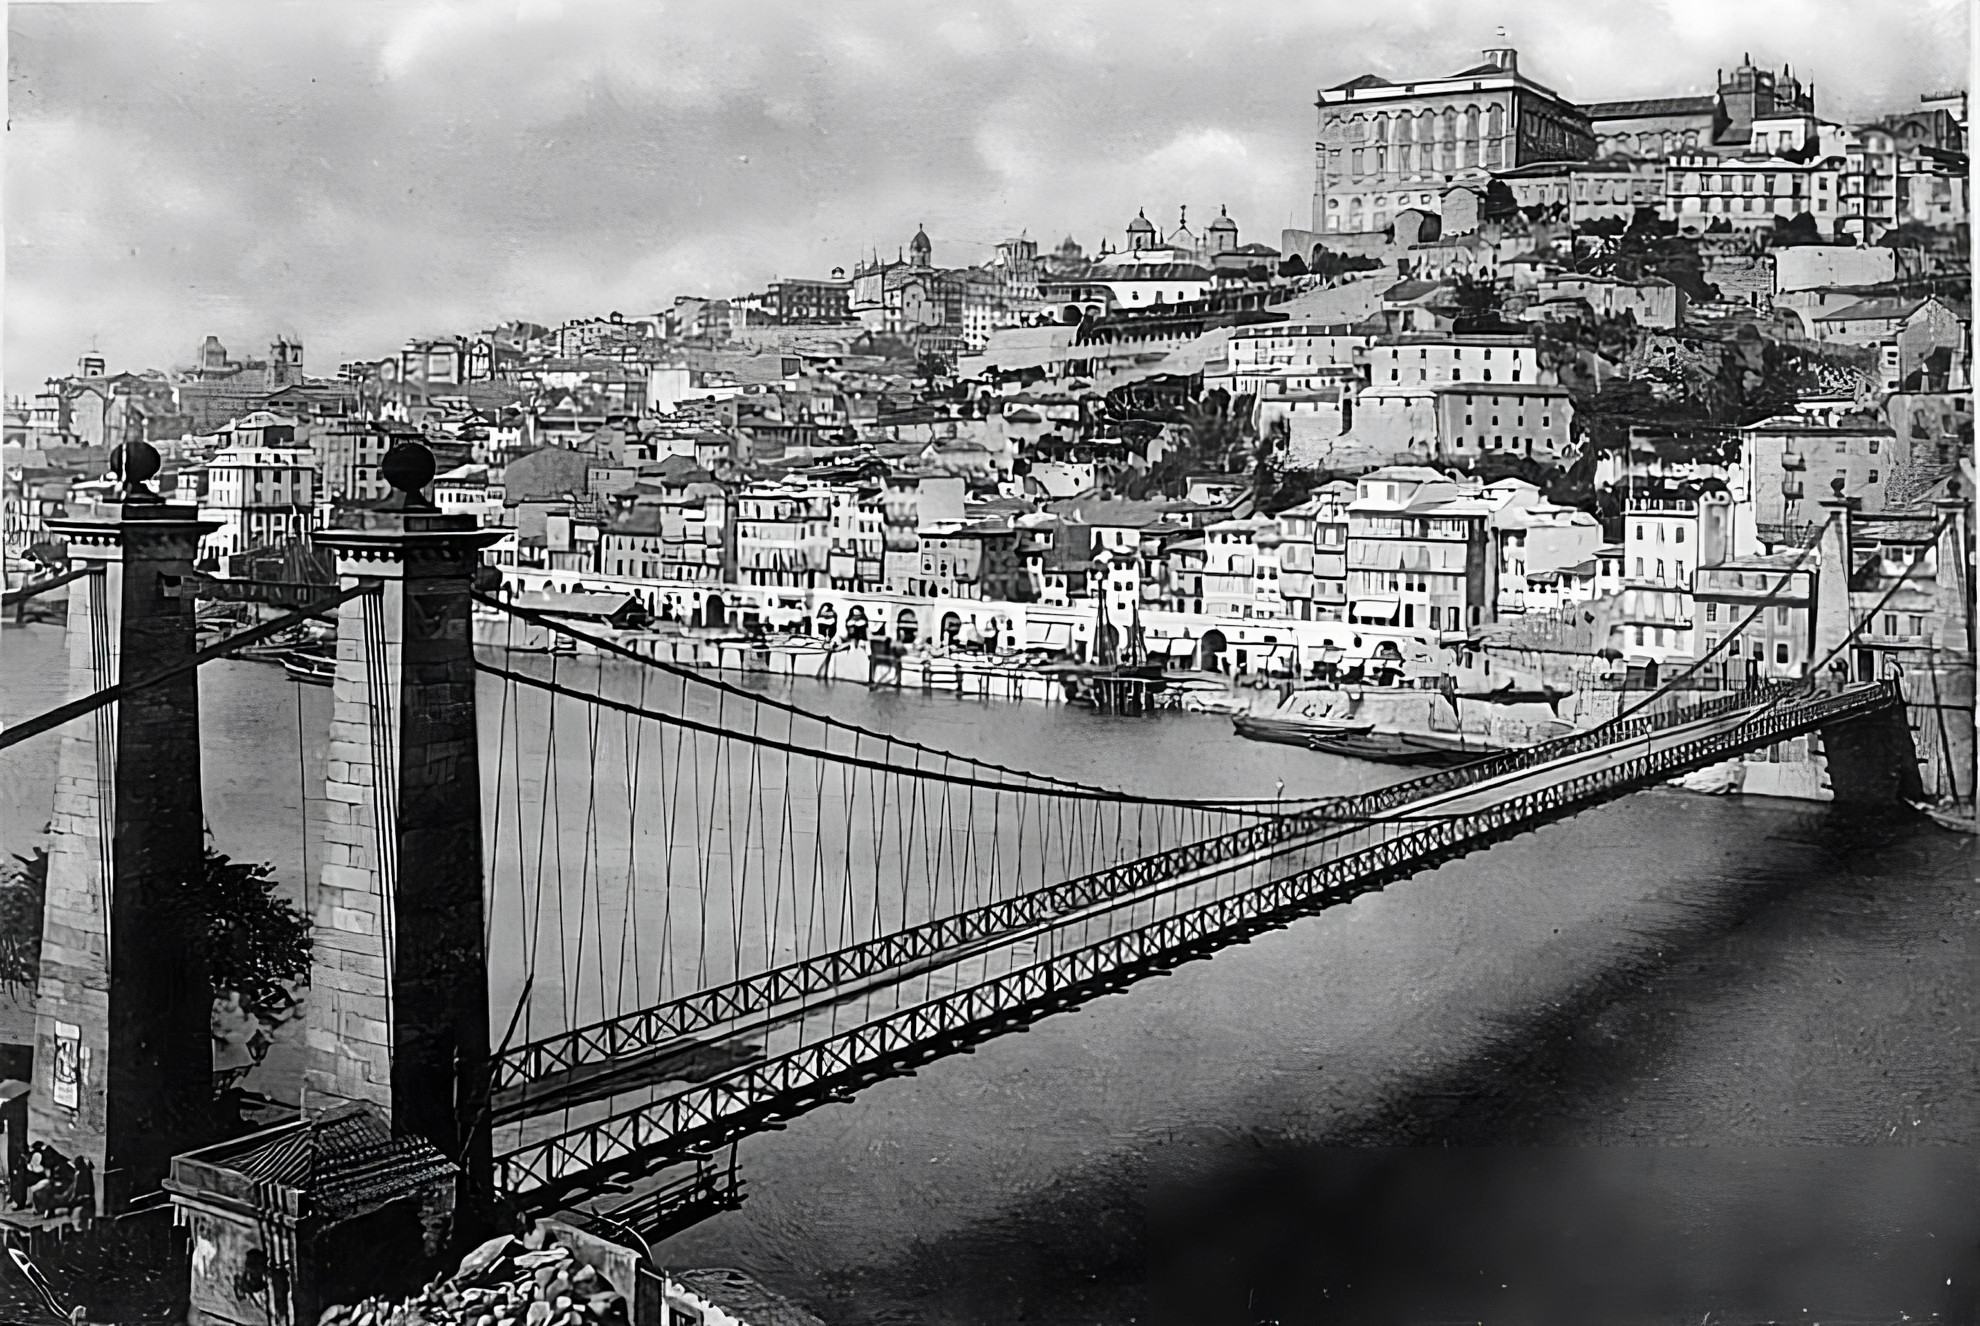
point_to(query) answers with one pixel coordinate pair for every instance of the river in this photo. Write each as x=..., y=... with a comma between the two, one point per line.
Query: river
x=1674, y=1056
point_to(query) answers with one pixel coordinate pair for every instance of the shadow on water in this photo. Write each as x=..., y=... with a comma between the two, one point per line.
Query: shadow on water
x=1471, y=1193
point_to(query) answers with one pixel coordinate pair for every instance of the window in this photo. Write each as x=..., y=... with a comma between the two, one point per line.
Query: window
x=1639, y=635
x=1711, y=612
x=1890, y=624
x=1781, y=615
x=1781, y=652
x=1873, y=476
x=1680, y=534
x=1660, y=568
x=1917, y=626
x=1639, y=566
x=1873, y=446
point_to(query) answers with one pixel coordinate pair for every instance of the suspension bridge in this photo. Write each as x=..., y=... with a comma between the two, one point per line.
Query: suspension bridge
x=583, y=920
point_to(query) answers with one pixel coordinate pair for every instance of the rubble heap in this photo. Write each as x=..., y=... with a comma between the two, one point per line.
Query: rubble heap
x=505, y=1282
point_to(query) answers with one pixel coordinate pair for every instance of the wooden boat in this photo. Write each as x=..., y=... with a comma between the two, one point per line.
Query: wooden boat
x=1396, y=748
x=1467, y=748
x=1954, y=816
x=316, y=669
x=1297, y=730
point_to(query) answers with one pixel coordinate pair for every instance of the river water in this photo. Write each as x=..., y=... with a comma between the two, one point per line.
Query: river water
x=1677, y=1055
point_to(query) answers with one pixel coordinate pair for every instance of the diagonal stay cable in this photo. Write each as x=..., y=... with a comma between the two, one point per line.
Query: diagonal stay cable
x=53, y=718
x=912, y=947
x=695, y=675
x=1267, y=809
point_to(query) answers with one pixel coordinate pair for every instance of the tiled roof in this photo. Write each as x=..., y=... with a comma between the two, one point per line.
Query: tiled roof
x=1629, y=110
x=1366, y=80
x=1883, y=307
x=1148, y=271
x=346, y=1161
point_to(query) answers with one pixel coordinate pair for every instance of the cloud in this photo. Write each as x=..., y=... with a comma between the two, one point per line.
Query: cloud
x=362, y=172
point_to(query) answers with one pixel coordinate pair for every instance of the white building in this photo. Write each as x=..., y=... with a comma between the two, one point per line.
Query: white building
x=1537, y=540
x=259, y=496
x=1429, y=358
x=1278, y=359
x=1750, y=192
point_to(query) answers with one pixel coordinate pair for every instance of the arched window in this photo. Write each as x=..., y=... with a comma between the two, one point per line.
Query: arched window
x=1495, y=121
x=1471, y=122
x=1381, y=128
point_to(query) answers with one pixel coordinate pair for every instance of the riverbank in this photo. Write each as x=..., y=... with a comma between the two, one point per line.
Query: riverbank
x=1719, y=1016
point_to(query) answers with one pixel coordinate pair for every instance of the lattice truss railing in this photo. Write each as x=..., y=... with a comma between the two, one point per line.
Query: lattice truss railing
x=717, y=907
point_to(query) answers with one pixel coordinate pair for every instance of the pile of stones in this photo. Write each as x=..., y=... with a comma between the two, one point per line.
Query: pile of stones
x=504, y=1282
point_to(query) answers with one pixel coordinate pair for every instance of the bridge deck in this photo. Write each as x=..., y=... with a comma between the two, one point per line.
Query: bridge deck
x=680, y=1092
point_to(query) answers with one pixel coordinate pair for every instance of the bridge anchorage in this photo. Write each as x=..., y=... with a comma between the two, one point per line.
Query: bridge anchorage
x=694, y=911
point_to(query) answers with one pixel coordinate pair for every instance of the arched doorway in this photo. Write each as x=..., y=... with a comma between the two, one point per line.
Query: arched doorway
x=951, y=627
x=855, y=623
x=1209, y=650
x=714, y=612
x=906, y=626
x=828, y=620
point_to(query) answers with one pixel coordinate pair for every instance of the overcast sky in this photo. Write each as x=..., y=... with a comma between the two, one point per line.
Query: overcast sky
x=359, y=173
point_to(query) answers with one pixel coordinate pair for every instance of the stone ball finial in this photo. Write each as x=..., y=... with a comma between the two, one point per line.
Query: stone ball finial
x=408, y=467
x=1836, y=485
x=133, y=463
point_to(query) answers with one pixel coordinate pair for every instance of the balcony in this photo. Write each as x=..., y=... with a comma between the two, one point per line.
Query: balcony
x=1791, y=461
x=1791, y=489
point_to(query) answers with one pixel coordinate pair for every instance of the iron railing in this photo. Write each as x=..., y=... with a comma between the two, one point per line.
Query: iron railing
x=548, y=1170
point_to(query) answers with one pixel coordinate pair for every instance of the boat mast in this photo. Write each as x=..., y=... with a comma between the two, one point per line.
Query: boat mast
x=1103, y=648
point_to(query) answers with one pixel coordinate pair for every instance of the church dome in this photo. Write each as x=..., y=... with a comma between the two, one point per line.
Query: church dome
x=1141, y=224
x=1224, y=222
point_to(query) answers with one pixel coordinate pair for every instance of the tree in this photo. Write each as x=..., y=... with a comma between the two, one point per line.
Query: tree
x=1293, y=265
x=257, y=945
x=22, y=887
x=1327, y=263
x=1914, y=235
x=1795, y=232
x=1498, y=202
x=1268, y=459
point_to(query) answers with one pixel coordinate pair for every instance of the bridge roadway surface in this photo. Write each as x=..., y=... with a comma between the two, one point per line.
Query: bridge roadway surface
x=530, y=1118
